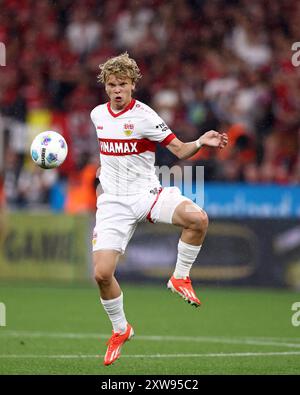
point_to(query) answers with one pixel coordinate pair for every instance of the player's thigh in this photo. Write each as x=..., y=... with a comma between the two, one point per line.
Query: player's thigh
x=174, y=208
x=105, y=263
x=188, y=214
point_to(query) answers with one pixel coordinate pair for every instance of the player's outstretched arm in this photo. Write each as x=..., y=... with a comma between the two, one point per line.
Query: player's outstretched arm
x=186, y=150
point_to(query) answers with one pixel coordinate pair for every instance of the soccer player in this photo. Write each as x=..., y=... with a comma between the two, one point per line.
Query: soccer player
x=128, y=131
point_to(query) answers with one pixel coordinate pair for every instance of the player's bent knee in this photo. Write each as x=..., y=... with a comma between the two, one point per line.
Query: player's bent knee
x=199, y=221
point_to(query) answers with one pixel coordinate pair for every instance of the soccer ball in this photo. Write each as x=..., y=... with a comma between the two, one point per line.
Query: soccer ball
x=49, y=149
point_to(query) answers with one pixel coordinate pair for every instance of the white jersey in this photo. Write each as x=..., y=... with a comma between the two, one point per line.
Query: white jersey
x=127, y=144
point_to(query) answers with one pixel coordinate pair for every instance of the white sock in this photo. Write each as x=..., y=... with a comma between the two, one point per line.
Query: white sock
x=187, y=254
x=115, y=312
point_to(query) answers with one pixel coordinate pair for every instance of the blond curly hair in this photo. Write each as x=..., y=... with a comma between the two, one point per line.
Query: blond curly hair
x=121, y=66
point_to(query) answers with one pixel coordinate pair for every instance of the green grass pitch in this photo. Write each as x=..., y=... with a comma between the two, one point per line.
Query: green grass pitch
x=63, y=330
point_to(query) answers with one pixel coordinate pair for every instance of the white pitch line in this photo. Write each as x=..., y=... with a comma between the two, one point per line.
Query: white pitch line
x=209, y=355
x=220, y=340
x=202, y=339
x=296, y=339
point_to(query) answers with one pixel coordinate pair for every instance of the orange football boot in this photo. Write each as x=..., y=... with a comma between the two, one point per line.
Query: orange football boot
x=115, y=344
x=183, y=287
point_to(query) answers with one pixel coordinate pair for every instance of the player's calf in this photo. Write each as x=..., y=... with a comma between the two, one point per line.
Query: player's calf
x=105, y=262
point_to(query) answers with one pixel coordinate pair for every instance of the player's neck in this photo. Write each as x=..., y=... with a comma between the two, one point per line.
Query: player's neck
x=118, y=108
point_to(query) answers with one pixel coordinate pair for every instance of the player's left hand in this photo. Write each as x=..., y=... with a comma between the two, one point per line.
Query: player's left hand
x=214, y=139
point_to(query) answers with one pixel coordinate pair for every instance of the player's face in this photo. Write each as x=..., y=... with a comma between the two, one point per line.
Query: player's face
x=119, y=91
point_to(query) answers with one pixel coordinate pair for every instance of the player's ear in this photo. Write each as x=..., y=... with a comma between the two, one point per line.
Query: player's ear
x=133, y=86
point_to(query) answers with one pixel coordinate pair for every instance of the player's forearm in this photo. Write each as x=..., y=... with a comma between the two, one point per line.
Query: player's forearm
x=189, y=149
x=209, y=139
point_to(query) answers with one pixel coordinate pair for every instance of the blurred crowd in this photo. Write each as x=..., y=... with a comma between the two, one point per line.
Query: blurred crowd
x=206, y=64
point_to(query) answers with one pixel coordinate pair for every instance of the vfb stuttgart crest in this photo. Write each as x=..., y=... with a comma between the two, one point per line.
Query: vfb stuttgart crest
x=128, y=128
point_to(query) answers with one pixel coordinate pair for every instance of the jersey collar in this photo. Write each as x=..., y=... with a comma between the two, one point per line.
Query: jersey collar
x=128, y=107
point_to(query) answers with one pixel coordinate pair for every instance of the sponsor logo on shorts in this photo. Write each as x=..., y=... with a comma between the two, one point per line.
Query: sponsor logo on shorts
x=94, y=238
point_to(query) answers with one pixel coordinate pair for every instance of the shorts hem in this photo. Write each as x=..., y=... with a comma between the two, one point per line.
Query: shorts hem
x=118, y=249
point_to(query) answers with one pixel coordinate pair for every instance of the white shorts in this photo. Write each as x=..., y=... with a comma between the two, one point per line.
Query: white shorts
x=117, y=216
